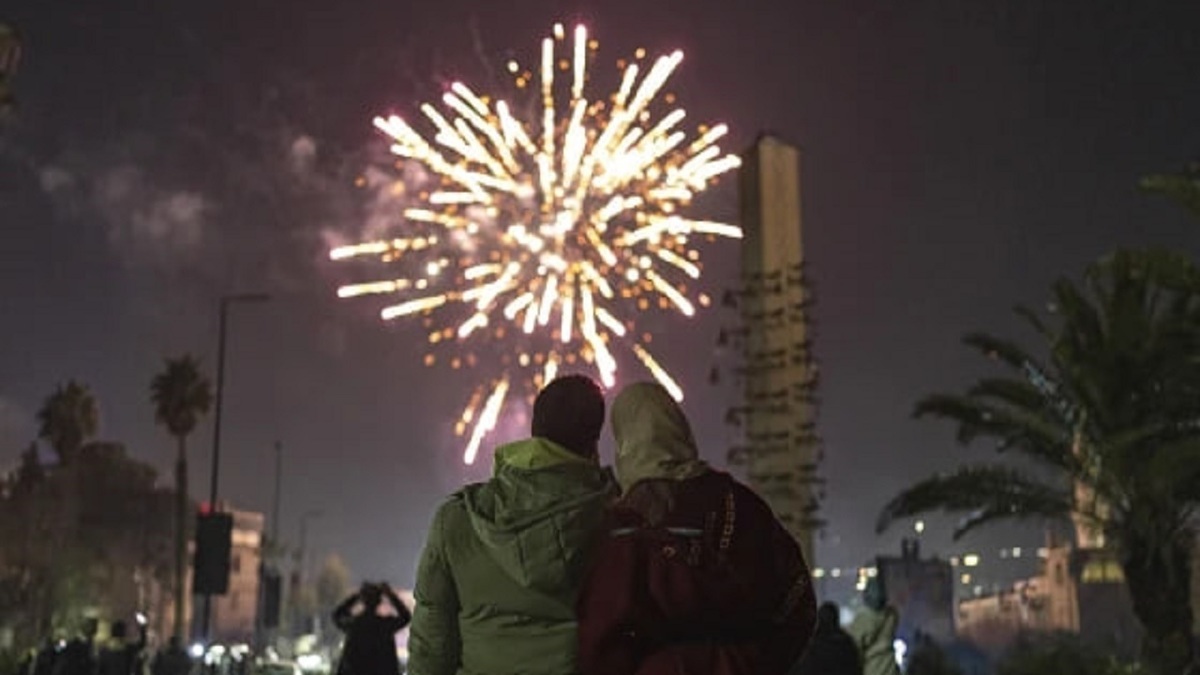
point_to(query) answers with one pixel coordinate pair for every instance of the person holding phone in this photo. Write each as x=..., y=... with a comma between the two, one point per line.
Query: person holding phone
x=370, y=647
x=119, y=656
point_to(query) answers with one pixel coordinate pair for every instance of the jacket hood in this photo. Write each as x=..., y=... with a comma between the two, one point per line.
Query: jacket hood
x=654, y=439
x=537, y=515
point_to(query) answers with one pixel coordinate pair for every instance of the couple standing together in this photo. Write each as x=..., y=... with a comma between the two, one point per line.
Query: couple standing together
x=550, y=569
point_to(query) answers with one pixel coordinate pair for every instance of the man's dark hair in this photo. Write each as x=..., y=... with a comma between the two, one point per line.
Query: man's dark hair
x=570, y=412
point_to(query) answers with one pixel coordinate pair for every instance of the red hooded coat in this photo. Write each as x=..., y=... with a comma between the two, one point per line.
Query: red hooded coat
x=694, y=574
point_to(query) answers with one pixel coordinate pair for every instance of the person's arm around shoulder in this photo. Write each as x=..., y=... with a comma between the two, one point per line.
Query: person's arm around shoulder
x=611, y=602
x=775, y=560
x=434, y=644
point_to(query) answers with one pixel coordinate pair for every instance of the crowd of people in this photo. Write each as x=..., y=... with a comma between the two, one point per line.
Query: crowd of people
x=557, y=565
x=85, y=654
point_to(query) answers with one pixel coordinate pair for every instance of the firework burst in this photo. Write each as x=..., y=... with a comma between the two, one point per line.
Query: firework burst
x=545, y=235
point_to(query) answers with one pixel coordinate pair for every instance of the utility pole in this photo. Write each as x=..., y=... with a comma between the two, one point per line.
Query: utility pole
x=214, y=479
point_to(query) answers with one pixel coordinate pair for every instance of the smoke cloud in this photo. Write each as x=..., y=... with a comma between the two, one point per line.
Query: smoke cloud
x=145, y=222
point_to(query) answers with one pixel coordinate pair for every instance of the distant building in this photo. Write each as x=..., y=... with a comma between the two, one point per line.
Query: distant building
x=921, y=590
x=1079, y=591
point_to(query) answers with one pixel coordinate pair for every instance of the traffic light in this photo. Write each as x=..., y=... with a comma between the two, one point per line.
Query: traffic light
x=214, y=539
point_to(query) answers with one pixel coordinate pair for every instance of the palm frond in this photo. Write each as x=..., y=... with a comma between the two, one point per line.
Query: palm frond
x=1084, y=323
x=997, y=349
x=1018, y=358
x=993, y=409
x=1031, y=317
x=1183, y=187
x=1175, y=468
x=985, y=492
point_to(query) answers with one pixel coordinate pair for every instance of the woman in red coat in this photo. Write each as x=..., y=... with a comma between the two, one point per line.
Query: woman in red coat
x=693, y=575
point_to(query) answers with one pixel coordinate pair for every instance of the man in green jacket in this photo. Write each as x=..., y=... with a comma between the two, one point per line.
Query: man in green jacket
x=501, y=570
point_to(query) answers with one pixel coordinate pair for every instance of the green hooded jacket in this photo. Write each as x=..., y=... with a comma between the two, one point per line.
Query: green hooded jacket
x=500, y=573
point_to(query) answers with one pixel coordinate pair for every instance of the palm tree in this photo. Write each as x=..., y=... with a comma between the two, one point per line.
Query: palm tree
x=1183, y=187
x=1114, y=412
x=181, y=396
x=68, y=418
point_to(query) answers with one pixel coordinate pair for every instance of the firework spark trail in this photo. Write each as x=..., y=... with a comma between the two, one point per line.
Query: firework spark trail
x=545, y=238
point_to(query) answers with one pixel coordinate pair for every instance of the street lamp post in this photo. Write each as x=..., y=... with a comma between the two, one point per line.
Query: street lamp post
x=214, y=481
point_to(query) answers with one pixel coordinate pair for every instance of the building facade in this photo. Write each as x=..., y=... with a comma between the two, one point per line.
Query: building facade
x=921, y=590
x=1079, y=591
x=235, y=614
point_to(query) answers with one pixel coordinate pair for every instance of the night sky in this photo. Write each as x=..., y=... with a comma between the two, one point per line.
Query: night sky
x=957, y=158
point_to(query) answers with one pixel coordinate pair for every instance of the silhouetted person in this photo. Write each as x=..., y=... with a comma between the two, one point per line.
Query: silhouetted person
x=47, y=656
x=370, y=647
x=874, y=631
x=120, y=657
x=927, y=656
x=78, y=657
x=173, y=659
x=832, y=650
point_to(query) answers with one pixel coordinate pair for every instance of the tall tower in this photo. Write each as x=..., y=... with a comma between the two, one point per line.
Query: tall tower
x=780, y=447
